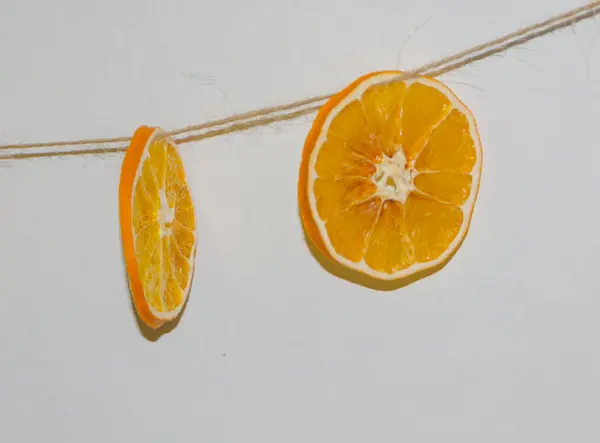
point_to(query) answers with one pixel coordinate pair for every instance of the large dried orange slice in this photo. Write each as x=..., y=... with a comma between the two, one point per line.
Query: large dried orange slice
x=158, y=226
x=389, y=176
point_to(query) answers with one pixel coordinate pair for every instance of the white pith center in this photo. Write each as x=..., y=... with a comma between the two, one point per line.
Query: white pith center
x=166, y=214
x=394, y=177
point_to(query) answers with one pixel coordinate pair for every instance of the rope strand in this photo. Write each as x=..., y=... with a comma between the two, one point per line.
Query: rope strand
x=292, y=110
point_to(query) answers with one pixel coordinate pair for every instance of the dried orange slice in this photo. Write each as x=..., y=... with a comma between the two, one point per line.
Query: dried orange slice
x=158, y=226
x=389, y=176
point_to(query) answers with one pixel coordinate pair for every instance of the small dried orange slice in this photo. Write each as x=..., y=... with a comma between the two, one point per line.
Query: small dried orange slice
x=158, y=226
x=389, y=176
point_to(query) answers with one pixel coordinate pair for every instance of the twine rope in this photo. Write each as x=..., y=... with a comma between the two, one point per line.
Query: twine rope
x=296, y=109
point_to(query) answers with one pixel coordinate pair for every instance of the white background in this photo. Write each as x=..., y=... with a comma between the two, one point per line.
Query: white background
x=501, y=345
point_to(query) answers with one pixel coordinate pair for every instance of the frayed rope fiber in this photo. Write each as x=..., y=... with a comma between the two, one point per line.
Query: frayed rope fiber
x=293, y=110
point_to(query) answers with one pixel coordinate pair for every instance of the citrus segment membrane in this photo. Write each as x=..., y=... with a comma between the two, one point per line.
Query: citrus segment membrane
x=392, y=176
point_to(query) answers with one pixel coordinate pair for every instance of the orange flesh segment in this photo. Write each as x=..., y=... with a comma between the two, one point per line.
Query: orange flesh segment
x=351, y=126
x=349, y=229
x=337, y=159
x=445, y=186
x=390, y=248
x=382, y=108
x=338, y=195
x=163, y=226
x=424, y=107
x=391, y=234
x=450, y=147
x=431, y=225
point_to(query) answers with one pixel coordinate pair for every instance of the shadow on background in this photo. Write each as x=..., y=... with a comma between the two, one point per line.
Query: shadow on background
x=154, y=334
